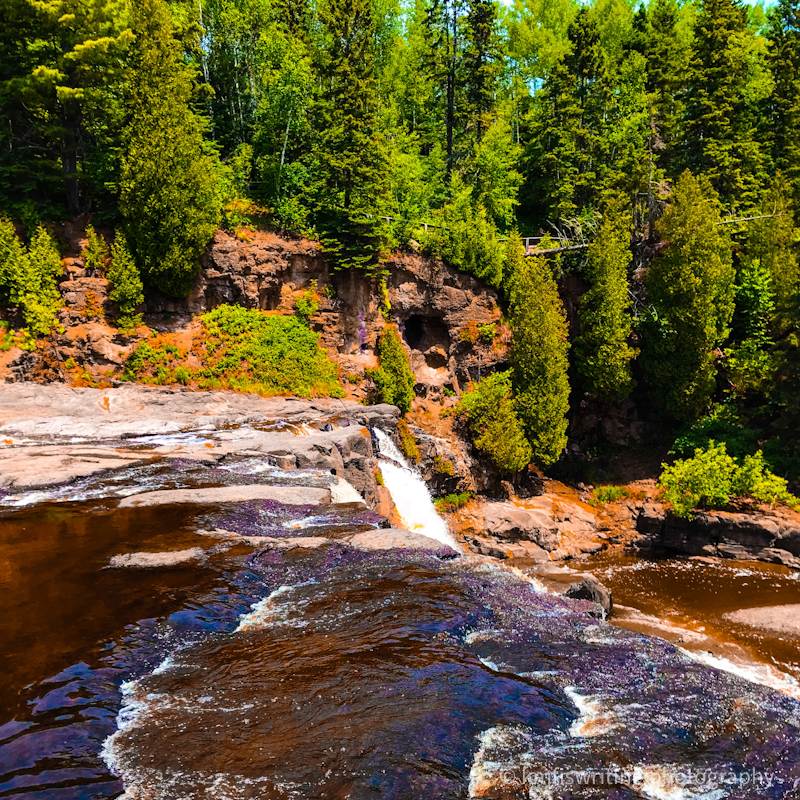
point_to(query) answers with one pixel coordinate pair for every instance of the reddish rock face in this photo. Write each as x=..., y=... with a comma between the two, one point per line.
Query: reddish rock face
x=431, y=303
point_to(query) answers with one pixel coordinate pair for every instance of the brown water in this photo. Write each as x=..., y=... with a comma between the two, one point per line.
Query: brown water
x=60, y=603
x=698, y=594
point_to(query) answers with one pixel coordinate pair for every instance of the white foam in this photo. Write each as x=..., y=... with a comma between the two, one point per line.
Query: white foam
x=410, y=495
x=342, y=491
x=594, y=719
x=269, y=609
x=763, y=674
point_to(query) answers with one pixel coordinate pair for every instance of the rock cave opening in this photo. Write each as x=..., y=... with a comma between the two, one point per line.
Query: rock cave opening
x=421, y=333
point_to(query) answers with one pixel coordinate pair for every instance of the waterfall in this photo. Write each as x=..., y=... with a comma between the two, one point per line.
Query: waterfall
x=410, y=495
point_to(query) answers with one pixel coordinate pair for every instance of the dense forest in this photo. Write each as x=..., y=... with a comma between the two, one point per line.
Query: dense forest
x=653, y=149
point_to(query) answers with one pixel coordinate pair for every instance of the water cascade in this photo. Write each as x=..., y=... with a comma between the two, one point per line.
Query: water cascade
x=410, y=495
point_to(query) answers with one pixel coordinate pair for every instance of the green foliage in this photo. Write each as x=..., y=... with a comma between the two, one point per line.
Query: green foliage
x=252, y=351
x=29, y=279
x=487, y=332
x=443, y=466
x=691, y=288
x=722, y=425
x=452, y=502
x=608, y=494
x=408, y=444
x=711, y=477
x=494, y=424
x=308, y=305
x=126, y=286
x=539, y=348
x=394, y=381
x=95, y=254
x=728, y=82
x=349, y=158
x=603, y=352
x=170, y=183
x=467, y=239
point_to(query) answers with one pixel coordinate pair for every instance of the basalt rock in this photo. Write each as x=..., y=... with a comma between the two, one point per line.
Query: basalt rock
x=724, y=534
x=591, y=589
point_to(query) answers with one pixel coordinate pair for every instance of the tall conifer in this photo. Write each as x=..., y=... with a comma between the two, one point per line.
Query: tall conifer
x=539, y=347
x=169, y=191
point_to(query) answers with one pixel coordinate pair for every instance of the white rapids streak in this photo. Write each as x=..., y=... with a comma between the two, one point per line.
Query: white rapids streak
x=410, y=495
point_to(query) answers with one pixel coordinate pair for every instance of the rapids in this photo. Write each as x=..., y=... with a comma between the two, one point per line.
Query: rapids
x=305, y=670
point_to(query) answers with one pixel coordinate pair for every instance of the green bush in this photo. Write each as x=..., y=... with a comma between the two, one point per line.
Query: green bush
x=308, y=305
x=496, y=429
x=452, y=502
x=95, y=254
x=29, y=278
x=394, y=381
x=722, y=424
x=711, y=477
x=252, y=351
x=487, y=332
x=126, y=286
x=608, y=494
x=408, y=444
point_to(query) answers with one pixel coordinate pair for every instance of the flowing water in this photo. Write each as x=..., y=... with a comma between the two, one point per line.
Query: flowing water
x=326, y=672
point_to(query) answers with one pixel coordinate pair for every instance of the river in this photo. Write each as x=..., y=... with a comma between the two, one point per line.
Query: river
x=238, y=671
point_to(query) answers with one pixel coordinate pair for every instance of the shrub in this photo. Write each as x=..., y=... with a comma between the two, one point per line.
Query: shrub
x=711, y=477
x=95, y=254
x=394, y=381
x=443, y=466
x=126, y=286
x=722, y=424
x=487, y=332
x=93, y=307
x=408, y=444
x=32, y=278
x=182, y=375
x=469, y=333
x=308, y=305
x=495, y=427
x=252, y=351
x=452, y=502
x=608, y=494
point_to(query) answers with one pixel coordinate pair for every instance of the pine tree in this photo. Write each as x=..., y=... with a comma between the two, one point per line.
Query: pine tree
x=169, y=189
x=60, y=78
x=394, y=379
x=667, y=70
x=691, y=289
x=494, y=424
x=483, y=65
x=728, y=80
x=603, y=351
x=126, y=285
x=772, y=241
x=539, y=348
x=95, y=254
x=350, y=161
x=783, y=105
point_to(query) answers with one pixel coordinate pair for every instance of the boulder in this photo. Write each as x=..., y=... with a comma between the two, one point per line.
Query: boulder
x=591, y=589
x=506, y=520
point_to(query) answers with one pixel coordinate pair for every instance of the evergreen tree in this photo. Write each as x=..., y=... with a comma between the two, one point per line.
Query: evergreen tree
x=60, y=79
x=169, y=189
x=691, y=289
x=126, y=286
x=728, y=80
x=783, y=105
x=668, y=58
x=483, y=64
x=95, y=254
x=394, y=379
x=603, y=352
x=772, y=241
x=494, y=424
x=539, y=348
x=349, y=157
